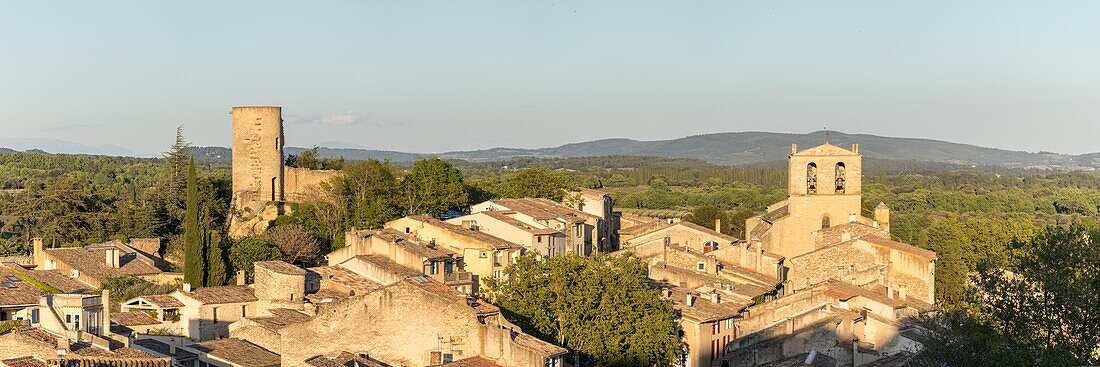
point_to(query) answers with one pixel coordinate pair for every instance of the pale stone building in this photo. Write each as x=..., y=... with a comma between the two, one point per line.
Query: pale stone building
x=602, y=205
x=536, y=237
x=483, y=255
x=579, y=228
x=93, y=264
x=387, y=256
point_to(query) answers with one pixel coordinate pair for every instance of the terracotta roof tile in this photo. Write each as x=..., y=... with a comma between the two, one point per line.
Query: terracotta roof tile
x=23, y=362
x=280, y=318
x=345, y=359
x=162, y=300
x=239, y=352
x=503, y=217
x=223, y=294
x=472, y=362
x=479, y=236
x=133, y=318
x=54, y=278
x=281, y=267
x=14, y=291
x=91, y=261
x=165, y=349
x=903, y=247
x=545, y=209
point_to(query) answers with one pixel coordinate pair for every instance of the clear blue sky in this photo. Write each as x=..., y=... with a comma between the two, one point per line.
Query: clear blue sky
x=438, y=76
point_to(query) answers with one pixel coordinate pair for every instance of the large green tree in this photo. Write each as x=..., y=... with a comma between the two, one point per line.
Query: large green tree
x=432, y=187
x=707, y=215
x=600, y=307
x=249, y=250
x=194, y=236
x=1038, y=308
x=535, y=182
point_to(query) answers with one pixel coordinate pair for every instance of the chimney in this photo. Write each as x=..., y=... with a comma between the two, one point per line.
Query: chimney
x=901, y=293
x=845, y=236
x=39, y=255
x=794, y=149
x=851, y=218
x=718, y=225
x=855, y=148
x=690, y=300
x=111, y=257
x=172, y=349
x=716, y=297
x=186, y=286
x=889, y=289
x=241, y=280
x=105, y=299
x=882, y=216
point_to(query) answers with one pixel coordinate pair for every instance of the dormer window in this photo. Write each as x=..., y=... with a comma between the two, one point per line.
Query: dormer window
x=839, y=172
x=811, y=178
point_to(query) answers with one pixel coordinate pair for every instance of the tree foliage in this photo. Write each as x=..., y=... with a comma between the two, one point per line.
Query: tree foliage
x=1038, y=308
x=297, y=245
x=249, y=250
x=601, y=307
x=194, y=253
x=433, y=187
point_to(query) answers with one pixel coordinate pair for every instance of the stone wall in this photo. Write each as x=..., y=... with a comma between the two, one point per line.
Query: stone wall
x=300, y=184
x=399, y=324
x=843, y=261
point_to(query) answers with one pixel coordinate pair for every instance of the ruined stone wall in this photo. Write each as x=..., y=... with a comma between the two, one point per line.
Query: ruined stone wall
x=398, y=324
x=257, y=154
x=300, y=184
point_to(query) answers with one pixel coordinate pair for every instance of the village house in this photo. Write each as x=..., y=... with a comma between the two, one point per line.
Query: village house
x=579, y=228
x=387, y=256
x=200, y=314
x=94, y=264
x=538, y=238
x=415, y=322
x=483, y=255
x=602, y=205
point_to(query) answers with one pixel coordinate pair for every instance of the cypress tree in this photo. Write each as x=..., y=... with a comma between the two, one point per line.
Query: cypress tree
x=193, y=257
x=215, y=260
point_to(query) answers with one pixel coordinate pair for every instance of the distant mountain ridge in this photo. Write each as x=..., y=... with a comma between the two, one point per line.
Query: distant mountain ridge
x=739, y=148
x=759, y=147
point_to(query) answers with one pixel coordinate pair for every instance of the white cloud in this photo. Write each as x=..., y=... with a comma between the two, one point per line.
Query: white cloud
x=343, y=119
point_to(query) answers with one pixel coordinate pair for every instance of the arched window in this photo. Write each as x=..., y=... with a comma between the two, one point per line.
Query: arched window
x=825, y=222
x=840, y=178
x=811, y=178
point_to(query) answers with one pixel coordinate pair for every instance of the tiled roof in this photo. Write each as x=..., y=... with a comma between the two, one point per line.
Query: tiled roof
x=280, y=318
x=703, y=310
x=472, y=362
x=23, y=362
x=538, y=346
x=442, y=290
x=281, y=267
x=709, y=231
x=133, y=318
x=386, y=264
x=54, y=278
x=413, y=245
x=506, y=219
x=165, y=349
x=162, y=300
x=239, y=352
x=844, y=291
x=488, y=239
x=345, y=359
x=645, y=228
x=15, y=291
x=545, y=209
x=903, y=247
x=900, y=359
x=92, y=261
x=345, y=278
x=223, y=294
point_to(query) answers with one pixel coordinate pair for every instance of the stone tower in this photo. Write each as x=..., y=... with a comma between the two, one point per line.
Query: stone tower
x=825, y=189
x=257, y=155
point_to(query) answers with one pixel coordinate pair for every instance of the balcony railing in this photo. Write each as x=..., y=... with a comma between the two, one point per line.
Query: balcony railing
x=457, y=278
